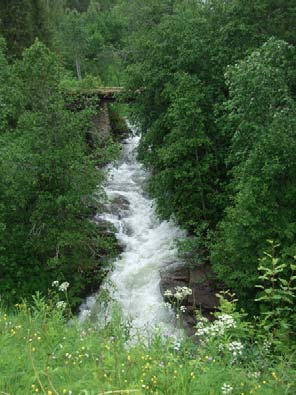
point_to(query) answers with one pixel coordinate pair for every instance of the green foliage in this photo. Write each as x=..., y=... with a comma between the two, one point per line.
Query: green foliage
x=21, y=21
x=177, y=143
x=214, y=90
x=44, y=354
x=263, y=164
x=11, y=100
x=117, y=113
x=89, y=82
x=278, y=286
x=74, y=40
x=47, y=182
x=88, y=39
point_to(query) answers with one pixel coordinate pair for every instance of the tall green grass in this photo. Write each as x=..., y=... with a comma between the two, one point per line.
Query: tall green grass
x=43, y=353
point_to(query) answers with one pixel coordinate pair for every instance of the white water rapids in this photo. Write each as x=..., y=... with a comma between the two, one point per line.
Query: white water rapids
x=148, y=246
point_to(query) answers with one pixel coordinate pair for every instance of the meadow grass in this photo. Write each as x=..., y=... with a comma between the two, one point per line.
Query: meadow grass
x=43, y=353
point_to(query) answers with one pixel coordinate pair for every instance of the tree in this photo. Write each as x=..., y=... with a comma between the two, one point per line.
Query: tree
x=172, y=68
x=16, y=24
x=73, y=40
x=21, y=21
x=47, y=182
x=261, y=115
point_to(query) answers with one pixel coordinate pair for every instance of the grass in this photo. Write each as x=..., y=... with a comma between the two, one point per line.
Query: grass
x=42, y=353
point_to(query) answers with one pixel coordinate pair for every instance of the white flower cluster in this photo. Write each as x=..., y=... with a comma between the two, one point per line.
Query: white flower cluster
x=168, y=293
x=63, y=287
x=226, y=389
x=254, y=375
x=180, y=292
x=61, y=305
x=236, y=348
x=217, y=328
x=266, y=346
x=177, y=345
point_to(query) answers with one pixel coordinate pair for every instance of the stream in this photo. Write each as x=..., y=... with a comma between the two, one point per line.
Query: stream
x=148, y=246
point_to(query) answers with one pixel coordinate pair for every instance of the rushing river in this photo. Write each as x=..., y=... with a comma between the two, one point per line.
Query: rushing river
x=148, y=246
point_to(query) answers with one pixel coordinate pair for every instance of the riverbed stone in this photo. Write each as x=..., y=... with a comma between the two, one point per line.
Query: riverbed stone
x=118, y=204
x=172, y=276
x=201, y=281
x=103, y=226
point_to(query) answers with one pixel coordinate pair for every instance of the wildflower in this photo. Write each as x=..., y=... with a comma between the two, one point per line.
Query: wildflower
x=177, y=345
x=217, y=328
x=235, y=348
x=178, y=295
x=55, y=283
x=182, y=292
x=61, y=305
x=226, y=389
x=266, y=346
x=168, y=292
x=182, y=309
x=64, y=286
x=254, y=375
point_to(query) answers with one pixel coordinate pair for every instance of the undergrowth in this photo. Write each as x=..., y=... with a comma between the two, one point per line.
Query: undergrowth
x=44, y=352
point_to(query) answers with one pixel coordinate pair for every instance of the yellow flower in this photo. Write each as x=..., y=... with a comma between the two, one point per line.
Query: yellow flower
x=49, y=392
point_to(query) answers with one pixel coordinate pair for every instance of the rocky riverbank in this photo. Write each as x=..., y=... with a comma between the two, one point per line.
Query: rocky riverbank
x=201, y=281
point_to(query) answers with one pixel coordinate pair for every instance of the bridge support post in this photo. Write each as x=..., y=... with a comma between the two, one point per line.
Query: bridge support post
x=103, y=120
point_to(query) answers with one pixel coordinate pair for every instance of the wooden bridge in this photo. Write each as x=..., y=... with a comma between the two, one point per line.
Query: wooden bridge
x=103, y=94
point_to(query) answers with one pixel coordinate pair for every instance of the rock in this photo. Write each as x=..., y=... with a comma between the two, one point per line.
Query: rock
x=107, y=230
x=118, y=204
x=188, y=322
x=203, y=289
x=173, y=276
x=203, y=298
x=103, y=225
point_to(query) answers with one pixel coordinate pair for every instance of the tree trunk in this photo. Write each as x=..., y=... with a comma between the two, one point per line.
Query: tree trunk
x=78, y=69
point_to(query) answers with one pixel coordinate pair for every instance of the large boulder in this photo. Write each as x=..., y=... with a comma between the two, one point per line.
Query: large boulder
x=201, y=281
x=203, y=289
x=172, y=276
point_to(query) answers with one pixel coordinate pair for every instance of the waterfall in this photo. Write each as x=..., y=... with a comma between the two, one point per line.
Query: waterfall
x=148, y=245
